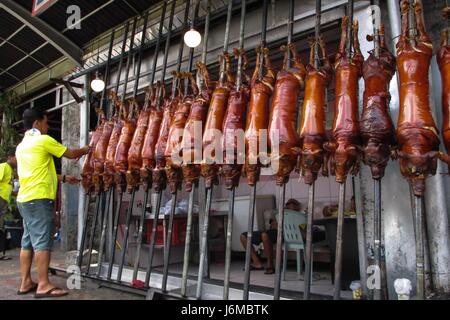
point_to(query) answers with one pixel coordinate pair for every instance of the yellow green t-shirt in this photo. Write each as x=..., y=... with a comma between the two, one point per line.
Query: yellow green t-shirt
x=6, y=175
x=35, y=166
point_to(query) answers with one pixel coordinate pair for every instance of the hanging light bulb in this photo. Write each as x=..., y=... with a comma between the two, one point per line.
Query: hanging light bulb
x=192, y=38
x=97, y=84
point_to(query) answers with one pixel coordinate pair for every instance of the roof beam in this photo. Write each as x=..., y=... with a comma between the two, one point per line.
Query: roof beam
x=52, y=36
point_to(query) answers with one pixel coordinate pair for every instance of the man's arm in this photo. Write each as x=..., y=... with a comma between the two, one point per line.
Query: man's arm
x=76, y=153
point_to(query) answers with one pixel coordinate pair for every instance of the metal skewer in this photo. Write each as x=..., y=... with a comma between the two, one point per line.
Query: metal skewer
x=205, y=226
x=147, y=187
x=191, y=194
x=130, y=206
x=168, y=238
x=252, y=204
x=282, y=188
x=226, y=284
x=159, y=193
x=311, y=188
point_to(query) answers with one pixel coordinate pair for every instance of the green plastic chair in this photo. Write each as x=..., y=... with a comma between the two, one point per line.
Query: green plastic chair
x=293, y=240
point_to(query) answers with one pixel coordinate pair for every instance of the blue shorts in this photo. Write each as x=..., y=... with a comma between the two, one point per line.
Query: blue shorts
x=38, y=224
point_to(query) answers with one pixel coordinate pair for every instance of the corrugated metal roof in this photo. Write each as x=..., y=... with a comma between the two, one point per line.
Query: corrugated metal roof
x=23, y=51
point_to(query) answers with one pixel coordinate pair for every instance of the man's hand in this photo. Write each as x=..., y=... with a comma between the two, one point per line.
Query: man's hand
x=85, y=150
x=72, y=180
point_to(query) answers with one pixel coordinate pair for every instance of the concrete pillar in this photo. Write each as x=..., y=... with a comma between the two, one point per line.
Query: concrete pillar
x=70, y=133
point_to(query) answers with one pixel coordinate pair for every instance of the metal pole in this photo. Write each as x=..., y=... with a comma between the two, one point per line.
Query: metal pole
x=103, y=234
x=139, y=239
x=125, y=237
x=187, y=244
x=168, y=243
x=241, y=46
x=226, y=284
x=158, y=40
x=168, y=238
x=418, y=230
x=309, y=244
x=339, y=243
x=112, y=249
x=83, y=234
x=130, y=54
x=93, y=228
x=204, y=239
x=107, y=71
x=248, y=249
x=153, y=239
x=144, y=207
x=166, y=53
x=278, y=259
x=191, y=194
x=350, y=28
x=141, y=46
x=377, y=231
x=252, y=204
x=290, y=30
x=226, y=39
x=206, y=33
x=122, y=54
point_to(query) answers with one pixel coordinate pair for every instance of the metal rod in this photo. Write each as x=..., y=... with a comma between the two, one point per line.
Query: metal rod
x=241, y=46
x=187, y=243
x=263, y=36
x=112, y=249
x=420, y=257
x=411, y=23
x=248, y=248
x=349, y=28
x=103, y=234
x=153, y=239
x=166, y=52
x=168, y=244
x=84, y=232
x=339, y=243
x=290, y=27
x=376, y=33
x=122, y=54
x=226, y=40
x=181, y=48
x=141, y=47
x=191, y=50
x=309, y=242
x=226, y=282
x=377, y=231
x=317, y=33
x=278, y=258
x=140, y=234
x=125, y=237
x=107, y=69
x=204, y=239
x=93, y=228
x=158, y=42
x=130, y=54
x=206, y=32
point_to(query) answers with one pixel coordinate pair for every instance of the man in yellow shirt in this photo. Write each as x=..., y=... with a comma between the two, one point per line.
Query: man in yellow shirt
x=6, y=187
x=38, y=185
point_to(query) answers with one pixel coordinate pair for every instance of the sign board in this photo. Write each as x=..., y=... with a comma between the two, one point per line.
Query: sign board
x=40, y=6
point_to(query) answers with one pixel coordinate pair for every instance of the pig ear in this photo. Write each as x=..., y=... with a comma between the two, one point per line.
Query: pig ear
x=402, y=154
x=352, y=150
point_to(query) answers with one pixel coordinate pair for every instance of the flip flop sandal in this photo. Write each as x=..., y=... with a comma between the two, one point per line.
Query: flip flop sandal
x=4, y=258
x=32, y=289
x=50, y=294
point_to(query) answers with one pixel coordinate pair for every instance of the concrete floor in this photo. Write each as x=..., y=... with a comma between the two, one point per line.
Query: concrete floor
x=10, y=281
x=90, y=290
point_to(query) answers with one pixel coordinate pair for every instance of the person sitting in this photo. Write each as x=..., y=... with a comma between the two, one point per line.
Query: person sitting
x=268, y=238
